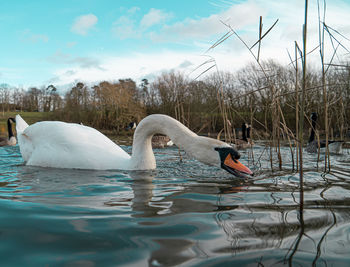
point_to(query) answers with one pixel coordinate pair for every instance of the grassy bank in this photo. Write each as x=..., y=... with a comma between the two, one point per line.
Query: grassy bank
x=33, y=117
x=29, y=117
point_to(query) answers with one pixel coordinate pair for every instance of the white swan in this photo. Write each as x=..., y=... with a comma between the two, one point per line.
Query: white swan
x=68, y=145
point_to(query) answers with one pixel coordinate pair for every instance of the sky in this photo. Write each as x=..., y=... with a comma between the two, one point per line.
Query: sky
x=63, y=42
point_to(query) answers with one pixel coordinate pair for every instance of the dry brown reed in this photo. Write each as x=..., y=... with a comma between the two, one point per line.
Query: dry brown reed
x=302, y=107
x=325, y=102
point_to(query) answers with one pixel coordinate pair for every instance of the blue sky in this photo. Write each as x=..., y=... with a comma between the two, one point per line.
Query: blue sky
x=61, y=42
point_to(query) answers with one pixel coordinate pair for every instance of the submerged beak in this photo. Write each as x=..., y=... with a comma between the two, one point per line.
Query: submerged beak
x=235, y=167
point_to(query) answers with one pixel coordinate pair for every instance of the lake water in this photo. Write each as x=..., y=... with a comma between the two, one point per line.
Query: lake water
x=184, y=213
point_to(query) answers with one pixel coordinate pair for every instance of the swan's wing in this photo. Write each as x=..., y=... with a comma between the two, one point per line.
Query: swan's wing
x=69, y=145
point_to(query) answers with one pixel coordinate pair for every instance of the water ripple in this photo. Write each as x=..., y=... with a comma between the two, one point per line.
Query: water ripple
x=183, y=213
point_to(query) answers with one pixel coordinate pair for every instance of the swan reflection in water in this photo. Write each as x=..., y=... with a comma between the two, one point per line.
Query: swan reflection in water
x=175, y=218
x=116, y=198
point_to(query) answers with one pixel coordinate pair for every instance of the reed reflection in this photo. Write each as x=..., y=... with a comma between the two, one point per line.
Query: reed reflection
x=283, y=223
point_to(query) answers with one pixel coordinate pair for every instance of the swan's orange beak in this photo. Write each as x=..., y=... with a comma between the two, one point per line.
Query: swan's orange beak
x=236, y=165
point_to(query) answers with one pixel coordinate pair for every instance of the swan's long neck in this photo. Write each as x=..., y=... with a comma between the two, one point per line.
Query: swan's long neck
x=142, y=154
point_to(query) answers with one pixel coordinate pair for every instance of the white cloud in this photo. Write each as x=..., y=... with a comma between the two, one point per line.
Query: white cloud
x=199, y=34
x=140, y=66
x=185, y=64
x=153, y=17
x=237, y=16
x=71, y=44
x=202, y=32
x=133, y=10
x=83, y=24
x=28, y=36
x=124, y=28
x=134, y=66
x=289, y=28
x=82, y=62
x=127, y=27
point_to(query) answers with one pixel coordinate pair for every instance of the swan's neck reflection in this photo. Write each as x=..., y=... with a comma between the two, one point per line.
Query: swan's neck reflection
x=142, y=187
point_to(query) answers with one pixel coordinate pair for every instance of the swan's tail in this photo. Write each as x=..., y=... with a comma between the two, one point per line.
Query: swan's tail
x=21, y=125
x=25, y=144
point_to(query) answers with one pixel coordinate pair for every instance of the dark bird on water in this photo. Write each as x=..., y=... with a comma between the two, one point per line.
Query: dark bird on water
x=245, y=141
x=11, y=140
x=335, y=147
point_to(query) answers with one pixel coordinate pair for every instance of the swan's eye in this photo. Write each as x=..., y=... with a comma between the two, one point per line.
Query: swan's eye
x=236, y=156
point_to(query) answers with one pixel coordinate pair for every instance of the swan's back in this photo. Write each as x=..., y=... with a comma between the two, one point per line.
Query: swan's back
x=69, y=145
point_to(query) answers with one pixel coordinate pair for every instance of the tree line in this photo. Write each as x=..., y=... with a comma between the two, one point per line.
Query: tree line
x=248, y=96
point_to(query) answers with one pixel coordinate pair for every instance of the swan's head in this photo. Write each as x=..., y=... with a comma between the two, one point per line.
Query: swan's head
x=229, y=161
x=218, y=153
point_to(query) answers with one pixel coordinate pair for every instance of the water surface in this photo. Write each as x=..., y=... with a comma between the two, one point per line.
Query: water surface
x=184, y=213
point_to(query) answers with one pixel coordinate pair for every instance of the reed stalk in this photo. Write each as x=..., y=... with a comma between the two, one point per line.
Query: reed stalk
x=297, y=144
x=324, y=89
x=284, y=125
x=318, y=145
x=302, y=108
x=342, y=119
x=260, y=34
x=276, y=127
x=251, y=124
